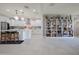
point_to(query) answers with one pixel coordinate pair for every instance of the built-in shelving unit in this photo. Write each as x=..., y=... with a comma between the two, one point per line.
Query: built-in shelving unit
x=57, y=26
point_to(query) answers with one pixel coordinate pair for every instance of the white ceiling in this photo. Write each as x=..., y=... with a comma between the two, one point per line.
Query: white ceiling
x=61, y=8
x=28, y=12
x=41, y=8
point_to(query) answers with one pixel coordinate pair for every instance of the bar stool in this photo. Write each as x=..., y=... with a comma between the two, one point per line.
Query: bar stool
x=0, y=37
x=3, y=36
x=16, y=36
x=8, y=35
x=12, y=36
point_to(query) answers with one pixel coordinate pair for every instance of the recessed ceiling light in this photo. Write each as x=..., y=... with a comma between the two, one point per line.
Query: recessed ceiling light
x=26, y=7
x=8, y=10
x=34, y=10
x=51, y=4
x=21, y=10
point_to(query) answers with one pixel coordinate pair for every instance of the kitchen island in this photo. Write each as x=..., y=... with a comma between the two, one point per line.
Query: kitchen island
x=12, y=36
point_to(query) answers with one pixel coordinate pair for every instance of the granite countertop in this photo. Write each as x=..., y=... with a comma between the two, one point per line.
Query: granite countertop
x=11, y=30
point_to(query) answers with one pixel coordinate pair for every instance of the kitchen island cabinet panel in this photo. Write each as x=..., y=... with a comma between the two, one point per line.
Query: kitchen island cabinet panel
x=8, y=36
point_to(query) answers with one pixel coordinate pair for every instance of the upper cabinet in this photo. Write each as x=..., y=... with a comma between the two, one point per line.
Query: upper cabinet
x=12, y=22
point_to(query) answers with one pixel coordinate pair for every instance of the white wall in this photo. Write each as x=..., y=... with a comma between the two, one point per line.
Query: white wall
x=36, y=22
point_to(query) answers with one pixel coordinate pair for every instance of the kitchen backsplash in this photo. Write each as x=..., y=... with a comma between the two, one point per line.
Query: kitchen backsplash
x=12, y=22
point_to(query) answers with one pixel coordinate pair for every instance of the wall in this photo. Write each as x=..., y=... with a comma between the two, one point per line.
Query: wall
x=36, y=22
x=76, y=26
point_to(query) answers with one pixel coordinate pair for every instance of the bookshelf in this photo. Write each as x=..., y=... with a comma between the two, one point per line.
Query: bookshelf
x=57, y=26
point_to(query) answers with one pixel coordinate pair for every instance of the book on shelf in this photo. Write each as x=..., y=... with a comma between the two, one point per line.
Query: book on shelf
x=59, y=25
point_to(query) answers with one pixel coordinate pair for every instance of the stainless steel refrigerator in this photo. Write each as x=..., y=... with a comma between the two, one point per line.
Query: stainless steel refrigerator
x=4, y=25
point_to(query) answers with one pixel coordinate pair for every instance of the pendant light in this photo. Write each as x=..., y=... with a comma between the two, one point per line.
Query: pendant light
x=16, y=17
x=19, y=14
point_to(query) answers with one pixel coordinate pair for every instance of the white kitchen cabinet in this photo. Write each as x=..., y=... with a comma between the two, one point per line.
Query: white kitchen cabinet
x=26, y=34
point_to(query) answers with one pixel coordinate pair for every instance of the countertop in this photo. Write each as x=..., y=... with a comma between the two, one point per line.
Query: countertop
x=11, y=30
x=23, y=33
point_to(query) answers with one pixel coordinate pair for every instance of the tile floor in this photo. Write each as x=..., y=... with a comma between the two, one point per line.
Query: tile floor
x=42, y=46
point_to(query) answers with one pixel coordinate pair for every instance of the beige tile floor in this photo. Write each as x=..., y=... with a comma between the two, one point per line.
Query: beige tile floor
x=42, y=46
